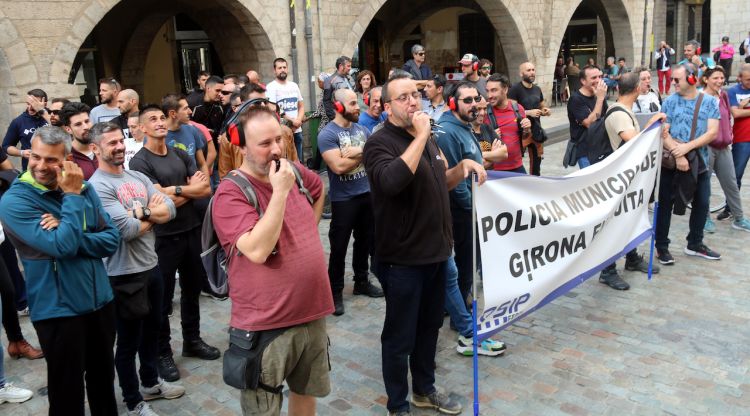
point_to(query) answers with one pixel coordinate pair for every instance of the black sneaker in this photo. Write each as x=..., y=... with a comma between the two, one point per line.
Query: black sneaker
x=167, y=369
x=369, y=289
x=612, y=279
x=724, y=215
x=665, y=257
x=638, y=263
x=199, y=349
x=701, y=250
x=338, y=305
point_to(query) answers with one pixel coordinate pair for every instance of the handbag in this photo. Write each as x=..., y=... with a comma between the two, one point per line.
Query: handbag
x=242, y=361
x=667, y=160
x=571, y=154
x=131, y=295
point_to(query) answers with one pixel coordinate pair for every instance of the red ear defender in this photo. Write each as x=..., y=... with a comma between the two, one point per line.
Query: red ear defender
x=475, y=66
x=452, y=103
x=235, y=135
x=366, y=98
x=338, y=107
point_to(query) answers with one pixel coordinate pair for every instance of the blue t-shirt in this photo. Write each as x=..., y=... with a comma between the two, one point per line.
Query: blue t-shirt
x=366, y=120
x=736, y=94
x=347, y=186
x=680, y=112
x=187, y=138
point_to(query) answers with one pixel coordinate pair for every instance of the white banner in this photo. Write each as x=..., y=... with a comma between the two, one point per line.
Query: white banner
x=542, y=236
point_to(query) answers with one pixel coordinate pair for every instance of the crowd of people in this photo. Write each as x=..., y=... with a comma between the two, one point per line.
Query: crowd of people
x=111, y=208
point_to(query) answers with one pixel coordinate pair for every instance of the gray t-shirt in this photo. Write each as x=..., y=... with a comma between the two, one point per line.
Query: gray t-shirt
x=102, y=113
x=118, y=193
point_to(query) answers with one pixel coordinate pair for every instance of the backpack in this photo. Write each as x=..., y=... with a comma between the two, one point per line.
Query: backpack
x=517, y=114
x=597, y=139
x=215, y=259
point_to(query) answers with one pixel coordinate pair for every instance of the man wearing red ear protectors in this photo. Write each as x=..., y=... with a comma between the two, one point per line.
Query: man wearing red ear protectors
x=470, y=67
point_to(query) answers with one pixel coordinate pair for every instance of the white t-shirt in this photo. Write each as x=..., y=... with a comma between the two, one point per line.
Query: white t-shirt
x=131, y=148
x=103, y=113
x=287, y=96
x=647, y=103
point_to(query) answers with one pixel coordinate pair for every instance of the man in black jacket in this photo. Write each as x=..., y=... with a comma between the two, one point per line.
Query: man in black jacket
x=409, y=183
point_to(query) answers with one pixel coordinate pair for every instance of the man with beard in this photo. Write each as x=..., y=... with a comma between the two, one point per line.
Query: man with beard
x=503, y=116
x=178, y=242
x=288, y=98
x=75, y=120
x=107, y=110
x=338, y=80
x=54, y=110
x=470, y=68
x=135, y=206
x=531, y=98
x=409, y=183
x=374, y=114
x=127, y=102
x=341, y=143
x=434, y=105
x=457, y=142
x=70, y=297
x=22, y=128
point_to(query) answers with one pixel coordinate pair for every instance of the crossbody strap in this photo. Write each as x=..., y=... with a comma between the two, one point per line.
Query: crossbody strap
x=695, y=116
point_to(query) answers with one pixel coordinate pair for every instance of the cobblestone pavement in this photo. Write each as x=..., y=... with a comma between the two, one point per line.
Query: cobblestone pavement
x=677, y=345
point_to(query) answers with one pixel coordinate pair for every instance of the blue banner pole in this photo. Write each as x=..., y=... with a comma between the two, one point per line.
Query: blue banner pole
x=475, y=358
x=656, y=212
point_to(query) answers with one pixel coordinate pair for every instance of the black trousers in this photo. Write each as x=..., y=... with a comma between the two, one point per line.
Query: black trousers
x=180, y=252
x=10, y=314
x=347, y=217
x=11, y=264
x=140, y=336
x=78, y=348
x=462, y=235
x=414, y=304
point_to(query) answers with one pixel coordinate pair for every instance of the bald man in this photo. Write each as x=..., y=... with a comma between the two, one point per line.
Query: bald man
x=127, y=102
x=253, y=76
x=531, y=98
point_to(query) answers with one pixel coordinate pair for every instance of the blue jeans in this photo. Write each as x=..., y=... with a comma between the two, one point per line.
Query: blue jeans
x=298, y=145
x=698, y=212
x=583, y=162
x=140, y=336
x=454, y=302
x=740, y=155
x=414, y=303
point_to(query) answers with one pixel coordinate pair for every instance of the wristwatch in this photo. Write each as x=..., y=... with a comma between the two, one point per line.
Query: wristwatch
x=178, y=190
x=146, y=213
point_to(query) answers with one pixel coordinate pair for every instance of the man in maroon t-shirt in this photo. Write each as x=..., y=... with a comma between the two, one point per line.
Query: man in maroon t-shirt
x=74, y=118
x=280, y=278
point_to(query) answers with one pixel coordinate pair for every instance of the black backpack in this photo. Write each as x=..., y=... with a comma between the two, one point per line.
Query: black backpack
x=516, y=113
x=215, y=260
x=597, y=139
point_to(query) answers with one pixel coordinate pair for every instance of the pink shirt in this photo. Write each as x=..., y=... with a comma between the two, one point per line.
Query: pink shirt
x=727, y=51
x=292, y=286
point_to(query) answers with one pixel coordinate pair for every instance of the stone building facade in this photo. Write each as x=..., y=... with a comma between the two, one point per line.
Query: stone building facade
x=40, y=41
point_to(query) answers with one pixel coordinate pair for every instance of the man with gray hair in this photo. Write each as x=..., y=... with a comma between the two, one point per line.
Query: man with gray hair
x=56, y=221
x=419, y=71
x=135, y=206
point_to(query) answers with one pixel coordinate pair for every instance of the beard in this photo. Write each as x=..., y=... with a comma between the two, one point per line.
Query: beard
x=470, y=116
x=115, y=162
x=282, y=76
x=353, y=117
x=84, y=139
x=529, y=79
x=106, y=100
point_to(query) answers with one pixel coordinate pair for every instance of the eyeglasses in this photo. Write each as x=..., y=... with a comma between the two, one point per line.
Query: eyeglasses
x=405, y=97
x=226, y=92
x=468, y=100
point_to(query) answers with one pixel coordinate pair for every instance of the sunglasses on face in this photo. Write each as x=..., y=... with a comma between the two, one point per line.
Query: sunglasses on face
x=487, y=67
x=54, y=112
x=420, y=53
x=468, y=100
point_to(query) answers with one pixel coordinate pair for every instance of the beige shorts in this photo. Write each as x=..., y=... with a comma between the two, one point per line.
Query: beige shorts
x=299, y=356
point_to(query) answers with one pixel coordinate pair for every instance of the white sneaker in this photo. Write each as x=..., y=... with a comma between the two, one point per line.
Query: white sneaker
x=162, y=390
x=488, y=347
x=142, y=409
x=24, y=312
x=12, y=394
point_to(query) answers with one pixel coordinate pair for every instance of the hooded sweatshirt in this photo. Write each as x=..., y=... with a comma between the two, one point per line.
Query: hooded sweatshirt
x=457, y=142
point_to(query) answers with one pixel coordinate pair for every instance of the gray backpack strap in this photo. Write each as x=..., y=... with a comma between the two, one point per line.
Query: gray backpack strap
x=246, y=187
x=304, y=191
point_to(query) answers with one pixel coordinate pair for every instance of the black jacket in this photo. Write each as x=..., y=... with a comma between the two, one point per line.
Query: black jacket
x=412, y=211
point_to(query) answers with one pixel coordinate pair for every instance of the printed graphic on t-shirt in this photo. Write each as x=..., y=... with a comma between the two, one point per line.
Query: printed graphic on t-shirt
x=355, y=138
x=189, y=149
x=132, y=192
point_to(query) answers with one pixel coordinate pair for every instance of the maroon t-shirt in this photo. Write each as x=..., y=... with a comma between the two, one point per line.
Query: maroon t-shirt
x=292, y=286
x=87, y=165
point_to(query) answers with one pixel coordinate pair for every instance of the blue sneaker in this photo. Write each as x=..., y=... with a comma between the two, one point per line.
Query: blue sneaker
x=710, y=227
x=741, y=224
x=488, y=347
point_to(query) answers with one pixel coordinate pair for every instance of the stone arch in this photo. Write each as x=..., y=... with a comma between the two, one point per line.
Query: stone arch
x=508, y=24
x=17, y=70
x=254, y=24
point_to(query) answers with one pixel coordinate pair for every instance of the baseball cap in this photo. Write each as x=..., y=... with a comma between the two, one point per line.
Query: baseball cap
x=468, y=58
